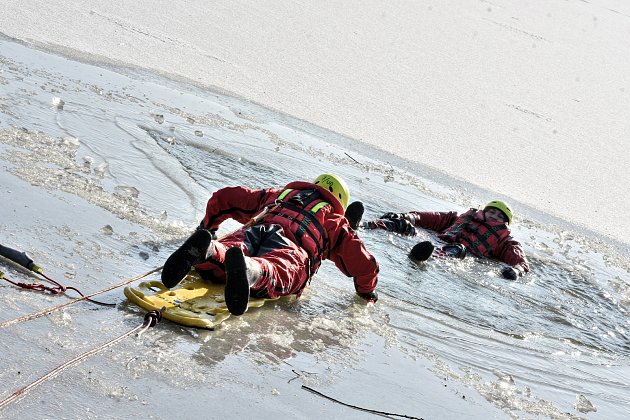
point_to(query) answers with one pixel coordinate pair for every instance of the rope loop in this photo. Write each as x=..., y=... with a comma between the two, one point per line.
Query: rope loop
x=150, y=320
x=57, y=290
x=153, y=317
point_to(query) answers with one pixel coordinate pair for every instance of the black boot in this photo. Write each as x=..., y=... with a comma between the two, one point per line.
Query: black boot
x=191, y=253
x=354, y=214
x=421, y=251
x=240, y=273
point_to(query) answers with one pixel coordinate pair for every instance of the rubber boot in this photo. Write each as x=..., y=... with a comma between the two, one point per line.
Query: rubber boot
x=240, y=273
x=194, y=251
x=354, y=214
x=421, y=251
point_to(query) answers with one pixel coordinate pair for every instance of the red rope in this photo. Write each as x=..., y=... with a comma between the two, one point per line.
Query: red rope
x=57, y=289
x=63, y=305
x=62, y=289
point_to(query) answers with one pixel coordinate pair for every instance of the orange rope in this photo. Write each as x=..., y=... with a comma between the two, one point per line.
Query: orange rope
x=150, y=320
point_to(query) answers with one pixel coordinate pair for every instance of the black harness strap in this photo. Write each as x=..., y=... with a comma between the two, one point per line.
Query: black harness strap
x=298, y=203
x=482, y=239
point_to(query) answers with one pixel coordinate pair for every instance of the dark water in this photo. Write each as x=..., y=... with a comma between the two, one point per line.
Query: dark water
x=110, y=182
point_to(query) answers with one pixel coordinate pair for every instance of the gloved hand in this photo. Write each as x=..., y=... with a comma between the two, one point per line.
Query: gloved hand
x=373, y=296
x=455, y=250
x=354, y=214
x=393, y=216
x=510, y=273
x=404, y=227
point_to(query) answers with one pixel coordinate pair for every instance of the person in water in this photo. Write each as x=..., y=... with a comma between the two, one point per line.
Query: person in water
x=480, y=232
x=286, y=234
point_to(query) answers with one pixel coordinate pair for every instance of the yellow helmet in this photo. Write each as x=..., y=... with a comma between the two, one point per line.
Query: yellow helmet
x=503, y=206
x=336, y=186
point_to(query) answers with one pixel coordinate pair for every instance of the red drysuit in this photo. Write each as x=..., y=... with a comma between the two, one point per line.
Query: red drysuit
x=482, y=238
x=304, y=225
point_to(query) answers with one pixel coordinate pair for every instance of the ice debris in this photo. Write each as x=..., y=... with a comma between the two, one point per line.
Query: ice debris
x=583, y=405
x=57, y=103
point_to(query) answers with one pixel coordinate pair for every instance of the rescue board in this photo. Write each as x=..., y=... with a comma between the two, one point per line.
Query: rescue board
x=193, y=303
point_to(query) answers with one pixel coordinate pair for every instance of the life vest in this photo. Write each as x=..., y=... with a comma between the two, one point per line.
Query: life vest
x=480, y=237
x=302, y=209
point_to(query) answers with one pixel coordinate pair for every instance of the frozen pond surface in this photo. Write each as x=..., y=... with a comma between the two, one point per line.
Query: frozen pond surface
x=104, y=172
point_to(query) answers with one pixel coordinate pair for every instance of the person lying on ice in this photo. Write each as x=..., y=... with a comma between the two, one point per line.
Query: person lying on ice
x=483, y=233
x=286, y=234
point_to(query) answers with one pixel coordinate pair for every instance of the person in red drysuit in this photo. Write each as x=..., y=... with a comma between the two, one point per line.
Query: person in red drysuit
x=482, y=232
x=286, y=234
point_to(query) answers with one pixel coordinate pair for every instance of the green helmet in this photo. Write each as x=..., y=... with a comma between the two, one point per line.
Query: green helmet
x=503, y=206
x=336, y=186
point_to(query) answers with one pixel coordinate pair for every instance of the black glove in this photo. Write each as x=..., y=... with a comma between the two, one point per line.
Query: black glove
x=373, y=296
x=404, y=227
x=510, y=273
x=393, y=216
x=354, y=214
x=455, y=250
